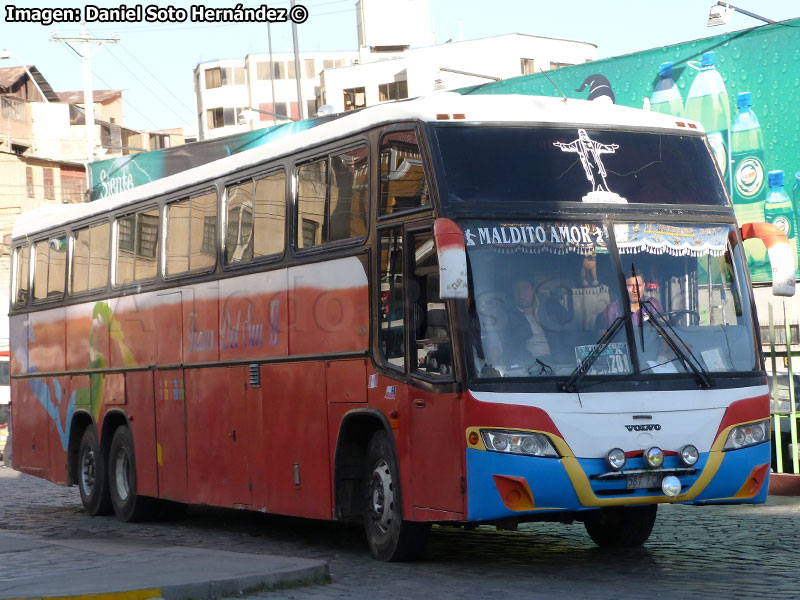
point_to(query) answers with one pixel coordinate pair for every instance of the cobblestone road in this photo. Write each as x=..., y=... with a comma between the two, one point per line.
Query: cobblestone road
x=707, y=552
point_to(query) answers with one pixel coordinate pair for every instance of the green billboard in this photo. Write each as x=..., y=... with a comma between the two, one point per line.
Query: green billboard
x=120, y=174
x=743, y=87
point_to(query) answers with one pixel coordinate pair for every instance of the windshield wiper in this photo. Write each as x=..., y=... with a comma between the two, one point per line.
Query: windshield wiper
x=583, y=368
x=655, y=320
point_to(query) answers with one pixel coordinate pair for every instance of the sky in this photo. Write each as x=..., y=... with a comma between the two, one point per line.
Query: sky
x=153, y=63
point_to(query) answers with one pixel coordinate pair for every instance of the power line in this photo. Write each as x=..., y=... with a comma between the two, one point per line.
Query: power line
x=133, y=56
x=156, y=96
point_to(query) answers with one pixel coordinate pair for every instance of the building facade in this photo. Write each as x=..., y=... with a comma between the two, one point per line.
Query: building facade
x=449, y=66
x=226, y=89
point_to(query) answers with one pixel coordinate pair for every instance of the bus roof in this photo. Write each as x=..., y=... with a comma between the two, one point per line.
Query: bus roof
x=438, y=107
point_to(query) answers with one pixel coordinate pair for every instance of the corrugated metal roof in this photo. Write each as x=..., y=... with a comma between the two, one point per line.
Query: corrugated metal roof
x=11, y=75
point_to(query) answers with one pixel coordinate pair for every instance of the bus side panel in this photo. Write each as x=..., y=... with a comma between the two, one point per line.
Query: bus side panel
x=30, y=423
x=141, y=419
x=200, y=322
x=296, y=428
x=216, y=440
x=18, y=344
x=87, y=336
x=133, y=331
x=169, y=323
x=59, y=423
x=330, y=307
x=79, y=332
x=257, y=455
x=170, y=432
x=47, y=340
x=435, y=432
x=253, y=316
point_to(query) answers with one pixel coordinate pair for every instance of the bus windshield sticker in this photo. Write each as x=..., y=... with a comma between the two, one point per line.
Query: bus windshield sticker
x=612, y=361
x=533, y=238
x=676, y=240
x=589, y=153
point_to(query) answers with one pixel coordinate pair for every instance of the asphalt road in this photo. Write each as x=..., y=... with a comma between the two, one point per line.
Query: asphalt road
x=694, y=552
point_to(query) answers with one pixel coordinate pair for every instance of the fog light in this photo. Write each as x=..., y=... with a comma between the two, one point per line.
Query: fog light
x=616, y=458
x=689, y=455
x=654, y=457
x=671, y=486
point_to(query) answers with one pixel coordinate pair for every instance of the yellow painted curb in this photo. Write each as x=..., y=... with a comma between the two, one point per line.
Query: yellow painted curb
x=148, y=594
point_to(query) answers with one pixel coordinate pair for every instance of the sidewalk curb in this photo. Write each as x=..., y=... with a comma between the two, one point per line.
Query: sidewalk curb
x=135, y=571
x=784, y=484
x=208, y=590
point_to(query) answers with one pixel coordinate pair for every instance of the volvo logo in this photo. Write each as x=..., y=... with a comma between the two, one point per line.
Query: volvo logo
x=648, y=427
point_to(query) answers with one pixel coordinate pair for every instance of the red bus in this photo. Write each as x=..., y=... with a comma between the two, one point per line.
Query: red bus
x=453, y=309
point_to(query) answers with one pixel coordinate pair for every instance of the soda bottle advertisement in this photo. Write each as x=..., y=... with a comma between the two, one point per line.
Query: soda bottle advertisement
x=743, y=87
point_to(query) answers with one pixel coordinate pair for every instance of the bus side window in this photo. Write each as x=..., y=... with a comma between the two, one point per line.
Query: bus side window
x=137, y=246
x=90, y=258
x=311, y=187
x=49, y=270
x=347, y=210
x=239, y=226
x=269, y=216
x=434, y=355
x=403, y=184
x=191, y=228
x=391, y=314
x=22, y=282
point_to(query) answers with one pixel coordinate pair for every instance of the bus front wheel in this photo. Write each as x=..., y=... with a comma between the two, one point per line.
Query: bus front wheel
x=128, y=505
x=389, y=537
x=92, y=475
x=621, y=526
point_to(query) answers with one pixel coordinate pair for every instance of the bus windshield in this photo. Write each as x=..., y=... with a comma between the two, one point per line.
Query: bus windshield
x=573, y=164
x=547, y=295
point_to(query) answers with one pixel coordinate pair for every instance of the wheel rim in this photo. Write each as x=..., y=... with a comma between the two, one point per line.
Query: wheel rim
x=88, y=467
x=382, y=501
x=122, y=469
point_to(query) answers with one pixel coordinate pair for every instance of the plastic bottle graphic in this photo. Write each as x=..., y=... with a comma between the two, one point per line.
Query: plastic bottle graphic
x=778, y=208
x=796, y=203
x=747, y=154
x=707, y=102
x=666, y=97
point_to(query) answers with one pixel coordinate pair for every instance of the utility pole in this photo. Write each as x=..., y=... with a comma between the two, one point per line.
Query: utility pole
x=271, y=74
x=297, y=73
x=88, y=97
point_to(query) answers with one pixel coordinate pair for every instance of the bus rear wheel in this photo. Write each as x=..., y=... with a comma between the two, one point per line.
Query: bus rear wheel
x=621, y=526
x=389, y=537
x=92, y=475
x=128, y=505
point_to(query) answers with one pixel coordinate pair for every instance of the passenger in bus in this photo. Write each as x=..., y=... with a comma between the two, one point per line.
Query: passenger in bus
x=525, y=333
x=636, y=287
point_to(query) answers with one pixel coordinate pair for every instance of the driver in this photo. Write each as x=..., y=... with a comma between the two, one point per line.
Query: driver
x=635, y=285
x=525, y=333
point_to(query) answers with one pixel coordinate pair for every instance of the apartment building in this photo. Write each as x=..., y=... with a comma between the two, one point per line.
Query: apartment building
x=226, y=89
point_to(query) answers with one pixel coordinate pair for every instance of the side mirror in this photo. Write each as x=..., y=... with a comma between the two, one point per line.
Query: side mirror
x=452, y=254
x=781, y=255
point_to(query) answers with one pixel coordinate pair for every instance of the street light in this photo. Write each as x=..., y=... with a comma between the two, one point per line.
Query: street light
x=248, y=114
x=5, y=55
x=721, y=13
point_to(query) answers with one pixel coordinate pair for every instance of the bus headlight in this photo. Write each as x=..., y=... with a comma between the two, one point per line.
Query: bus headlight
x=518, y=442
x=689, y=455
x=751, y=434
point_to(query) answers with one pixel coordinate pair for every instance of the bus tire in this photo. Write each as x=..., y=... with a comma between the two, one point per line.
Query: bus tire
x=93, y=475
x=390, y=538
x=621, y=526
x=128, y=505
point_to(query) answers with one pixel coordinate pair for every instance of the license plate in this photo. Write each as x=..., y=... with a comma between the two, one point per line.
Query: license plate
x=643, y=480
